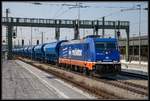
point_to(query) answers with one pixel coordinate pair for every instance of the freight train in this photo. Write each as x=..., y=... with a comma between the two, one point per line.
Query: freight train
x=91, y=55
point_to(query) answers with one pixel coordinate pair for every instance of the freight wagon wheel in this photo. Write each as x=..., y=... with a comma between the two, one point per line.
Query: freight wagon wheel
x=61, y=66
x=57, y=64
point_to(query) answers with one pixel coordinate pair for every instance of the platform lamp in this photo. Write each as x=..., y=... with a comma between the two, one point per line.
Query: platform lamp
x=118, y=35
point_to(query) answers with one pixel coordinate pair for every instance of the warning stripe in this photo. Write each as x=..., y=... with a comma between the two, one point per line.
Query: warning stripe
x=80, y=63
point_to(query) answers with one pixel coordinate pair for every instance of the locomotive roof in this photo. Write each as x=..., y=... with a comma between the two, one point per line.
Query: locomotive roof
x=105, y=39
x=73, y=42
x=95, y=39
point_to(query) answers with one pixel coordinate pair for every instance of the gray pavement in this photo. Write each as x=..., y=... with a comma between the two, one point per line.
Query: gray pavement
x=23, y=81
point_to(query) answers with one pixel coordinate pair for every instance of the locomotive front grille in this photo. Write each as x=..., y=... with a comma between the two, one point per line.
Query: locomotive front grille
x=107, y=68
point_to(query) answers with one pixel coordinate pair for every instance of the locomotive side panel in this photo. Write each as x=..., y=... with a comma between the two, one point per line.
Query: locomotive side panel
x=74, y=54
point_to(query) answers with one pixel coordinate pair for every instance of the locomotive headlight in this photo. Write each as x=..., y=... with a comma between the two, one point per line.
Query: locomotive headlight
x=106, y=52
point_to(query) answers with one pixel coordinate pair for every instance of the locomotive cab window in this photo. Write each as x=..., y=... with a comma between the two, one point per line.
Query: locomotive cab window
x=105, y=46
x=100, y=46
x=111, y=46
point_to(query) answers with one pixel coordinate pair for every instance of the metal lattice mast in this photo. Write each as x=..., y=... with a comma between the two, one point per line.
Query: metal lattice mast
x=7, y=11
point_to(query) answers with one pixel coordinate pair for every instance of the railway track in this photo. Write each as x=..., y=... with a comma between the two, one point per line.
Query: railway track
x=145, y=77
x=138, y=89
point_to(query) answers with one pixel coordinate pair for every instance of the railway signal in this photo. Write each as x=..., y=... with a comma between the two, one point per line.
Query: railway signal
x=22, y=42
x=118, y=34
x=14, y=35
x=37, y=42
x=3, y=41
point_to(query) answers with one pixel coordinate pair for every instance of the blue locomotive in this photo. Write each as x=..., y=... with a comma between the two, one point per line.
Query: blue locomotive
x=91, y=55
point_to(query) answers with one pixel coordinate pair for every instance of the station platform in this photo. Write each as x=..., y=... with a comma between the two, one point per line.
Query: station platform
x=23, y=81
x=135, y=67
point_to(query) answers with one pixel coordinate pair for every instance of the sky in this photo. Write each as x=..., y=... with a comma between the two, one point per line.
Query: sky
x=94, y=11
